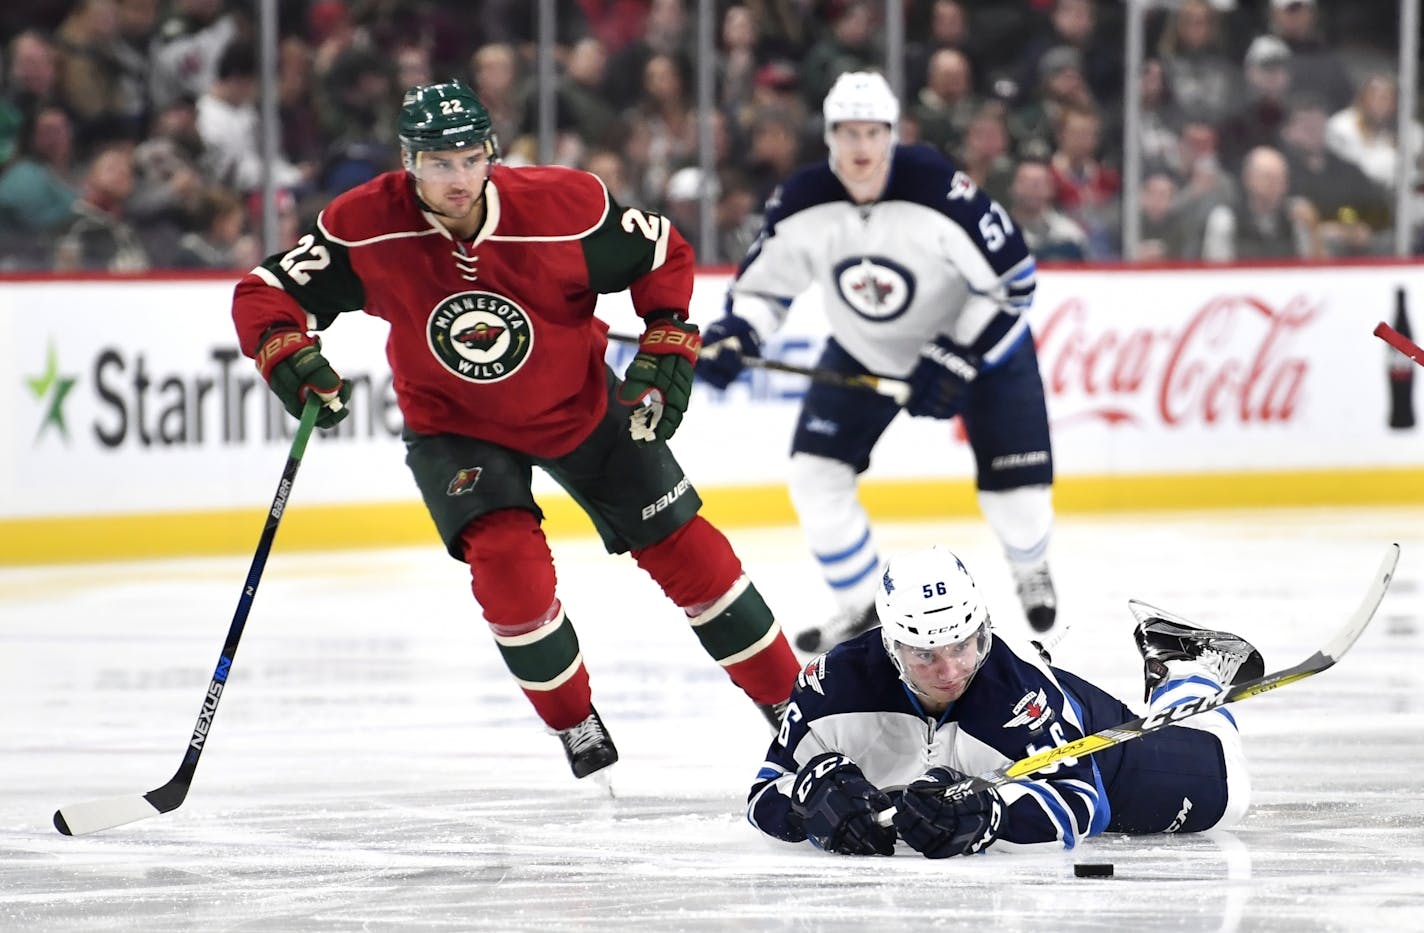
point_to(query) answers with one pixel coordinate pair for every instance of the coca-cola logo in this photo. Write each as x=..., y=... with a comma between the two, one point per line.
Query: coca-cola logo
x=1230, y=361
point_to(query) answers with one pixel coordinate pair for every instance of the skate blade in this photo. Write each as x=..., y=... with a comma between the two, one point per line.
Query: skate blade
x=604, y=779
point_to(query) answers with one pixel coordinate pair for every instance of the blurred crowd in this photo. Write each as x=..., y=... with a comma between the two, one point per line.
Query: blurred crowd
x=129, y=129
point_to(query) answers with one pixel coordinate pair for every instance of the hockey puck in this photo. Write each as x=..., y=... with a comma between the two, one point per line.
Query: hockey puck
x=1093, y=870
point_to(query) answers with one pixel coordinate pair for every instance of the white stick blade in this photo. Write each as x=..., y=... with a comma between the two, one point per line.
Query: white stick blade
x=94, y=815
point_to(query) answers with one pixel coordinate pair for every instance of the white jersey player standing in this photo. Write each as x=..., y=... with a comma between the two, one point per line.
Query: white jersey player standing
x=924, y=278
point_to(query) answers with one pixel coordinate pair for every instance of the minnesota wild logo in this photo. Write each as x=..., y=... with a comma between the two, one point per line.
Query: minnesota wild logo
x=480, y=336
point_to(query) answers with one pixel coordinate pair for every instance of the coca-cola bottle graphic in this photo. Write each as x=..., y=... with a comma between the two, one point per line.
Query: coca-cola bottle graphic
x=1401, y=372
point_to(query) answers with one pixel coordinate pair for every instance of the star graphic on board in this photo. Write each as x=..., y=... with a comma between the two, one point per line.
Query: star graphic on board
x=54, y=387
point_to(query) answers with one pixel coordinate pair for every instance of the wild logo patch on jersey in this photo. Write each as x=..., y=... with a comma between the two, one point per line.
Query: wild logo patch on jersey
x=480, y=336
x=463, y=481
x=1032, y=711
x=875, y=287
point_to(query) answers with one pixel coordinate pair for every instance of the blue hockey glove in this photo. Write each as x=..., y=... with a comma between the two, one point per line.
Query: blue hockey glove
x=939, y=380
x=937, y=826
x=734, y=339
x=838, y=807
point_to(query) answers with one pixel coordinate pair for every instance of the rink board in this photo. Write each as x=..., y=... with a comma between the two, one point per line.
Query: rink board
x=135, y=428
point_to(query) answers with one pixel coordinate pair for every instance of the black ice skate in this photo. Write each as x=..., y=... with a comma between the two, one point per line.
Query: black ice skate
x=847, y=624
x=588, y=746
x=1035, y=589
x=1162, y=637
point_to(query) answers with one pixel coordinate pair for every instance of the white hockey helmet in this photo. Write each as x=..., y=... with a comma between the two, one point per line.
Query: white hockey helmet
x=861, y=95
x=926, y=601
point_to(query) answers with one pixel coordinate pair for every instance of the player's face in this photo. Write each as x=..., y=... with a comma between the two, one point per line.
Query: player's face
x=451, y=181
x=941, y=675
x=861, y=152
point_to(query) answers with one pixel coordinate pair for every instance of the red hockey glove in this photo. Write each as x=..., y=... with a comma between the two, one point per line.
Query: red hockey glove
x=293, y=366
x=658, y=383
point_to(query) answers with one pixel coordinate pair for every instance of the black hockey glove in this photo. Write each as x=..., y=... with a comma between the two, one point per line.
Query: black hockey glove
x=838, y=807
x=658, y=383
x=293, y=366
x=733, y=339
x=939, y=380
x=937, y=826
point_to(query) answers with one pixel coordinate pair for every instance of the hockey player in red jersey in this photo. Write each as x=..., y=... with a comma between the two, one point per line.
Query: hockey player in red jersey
x=488, y=276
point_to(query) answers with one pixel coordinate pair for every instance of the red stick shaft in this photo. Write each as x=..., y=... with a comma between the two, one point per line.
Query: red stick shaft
x=1400, y=342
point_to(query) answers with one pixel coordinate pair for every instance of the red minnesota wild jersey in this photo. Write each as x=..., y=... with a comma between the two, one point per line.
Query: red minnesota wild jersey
x=494, y=337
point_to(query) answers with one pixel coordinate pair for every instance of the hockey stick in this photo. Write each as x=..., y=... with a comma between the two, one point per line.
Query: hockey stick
x=1137, y=728
x=94, y=815
x=1400, y=342
x=896, y=389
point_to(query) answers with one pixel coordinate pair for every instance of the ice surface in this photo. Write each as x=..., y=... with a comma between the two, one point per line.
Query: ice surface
x=373, y=767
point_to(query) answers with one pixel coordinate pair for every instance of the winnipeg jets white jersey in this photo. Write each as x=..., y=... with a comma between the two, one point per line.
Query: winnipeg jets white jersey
x=935, y=255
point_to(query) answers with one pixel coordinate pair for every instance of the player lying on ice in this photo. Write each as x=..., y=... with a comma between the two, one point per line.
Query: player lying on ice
x=894, y=716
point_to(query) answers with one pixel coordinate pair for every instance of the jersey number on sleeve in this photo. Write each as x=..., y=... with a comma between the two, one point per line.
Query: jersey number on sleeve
x=308, y=257
x=995, y=234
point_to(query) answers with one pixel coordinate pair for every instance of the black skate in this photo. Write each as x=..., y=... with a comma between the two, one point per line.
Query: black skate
x=1035, y=589
x=847, y=624
x=1162, y=637
x=588, y=746
x=773, y=713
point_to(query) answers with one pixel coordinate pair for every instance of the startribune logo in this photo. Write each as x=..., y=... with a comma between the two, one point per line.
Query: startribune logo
x=480, y=336
x=51, y=388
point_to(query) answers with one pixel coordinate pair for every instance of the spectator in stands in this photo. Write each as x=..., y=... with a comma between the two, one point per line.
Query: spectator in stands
x=1073, y=24
x=668, y=32
x=169, y=185
x=1258, y=120
x=302, y=137
x=1049, y=234
x=138, y=23
x=1266, y=223
x=32, y=73
x=1366, y=133
x=778, y=87
x=97, y=236
x=92, y=75
x=1157, y=135
x=682, y=201
x=985, y=155
x=775, y=152
x=1315, y=68
x=413, y=67
x=667, y=123
x=1085, y=188
x=1204, y=80
x=739, y=218
x=946, y=104
x=785, y=28
x=1061, y=87
x=1202, y=184
x=1352, y=209
x=581, y=106
x=848, y=45
x=948, y=28
x=1161, y=233
x=737, y=61
x=187, y=48
x=221, y=240
x=610, y=168
x=228, y=125
x=36, y=190
x=360, y=121
x=495, y=78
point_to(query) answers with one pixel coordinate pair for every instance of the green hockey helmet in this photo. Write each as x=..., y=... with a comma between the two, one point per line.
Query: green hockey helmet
x=444, y=116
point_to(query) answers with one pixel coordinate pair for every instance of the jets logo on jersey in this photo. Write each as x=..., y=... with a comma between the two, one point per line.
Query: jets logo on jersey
x=876, y=288
x=811, y=677
x=464, y=480
x=480, y=336
x=1032, y=711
